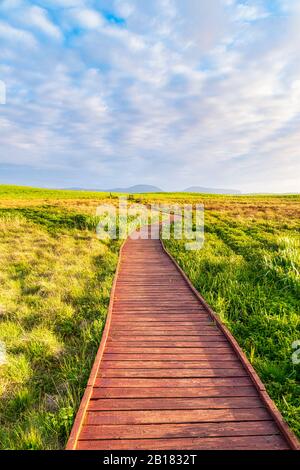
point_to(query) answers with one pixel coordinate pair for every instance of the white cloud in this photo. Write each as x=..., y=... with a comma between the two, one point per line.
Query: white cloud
x=64, y=3
x=14, y=35
x=8, y=4
x=86, y=18
x=38, y=17
x=253, y=12
x=183, y=93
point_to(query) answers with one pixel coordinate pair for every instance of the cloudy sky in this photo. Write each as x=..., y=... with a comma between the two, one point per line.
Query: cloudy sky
x=105, y=93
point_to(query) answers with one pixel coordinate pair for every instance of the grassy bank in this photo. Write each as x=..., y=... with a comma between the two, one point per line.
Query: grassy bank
x=55, y=280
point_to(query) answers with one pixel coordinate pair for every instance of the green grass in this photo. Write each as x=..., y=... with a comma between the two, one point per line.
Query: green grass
x=55, y=280
x=249, y=272
x=52, y=218
x=27, y=192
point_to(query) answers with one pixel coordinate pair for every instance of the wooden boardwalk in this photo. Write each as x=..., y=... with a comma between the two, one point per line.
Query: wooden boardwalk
x=168, y=374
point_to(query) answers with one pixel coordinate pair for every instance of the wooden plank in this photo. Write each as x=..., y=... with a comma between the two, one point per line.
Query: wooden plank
x=171, y=318
x=177, y=416
x=179, y=309
x=164, y=392
x=165, y=337
x=210, y=356
x=159, y=315
x=125, y=329
x=165, y=343
x=163, y=431
x=171, y=373
x=191, y=382
x=166, y=325
x=110, y=364
x=165, y=350
x=160, y=305
x=164, y=299
x=224, y=443
x=174, y=403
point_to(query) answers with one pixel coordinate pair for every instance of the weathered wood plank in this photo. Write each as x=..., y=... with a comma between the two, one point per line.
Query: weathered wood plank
x=209, y=356
x=110, y=364
x=162, y=335
x=177, y=416
x=166, y=343
x=191, y=382
x=168, y=431
x=174, y=403
x=164, y=392
x=172, y=373
x=224, y=443
x=166, y=350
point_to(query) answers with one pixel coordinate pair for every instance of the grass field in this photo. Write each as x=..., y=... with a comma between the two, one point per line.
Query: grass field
x=55, y=280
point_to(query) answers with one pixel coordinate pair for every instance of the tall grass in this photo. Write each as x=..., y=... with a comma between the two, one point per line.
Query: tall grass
x=55, y=280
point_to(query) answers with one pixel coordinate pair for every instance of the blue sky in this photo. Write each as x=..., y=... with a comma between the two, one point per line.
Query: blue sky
x=168, y=92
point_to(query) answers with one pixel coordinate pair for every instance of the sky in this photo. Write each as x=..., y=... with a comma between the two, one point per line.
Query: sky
x=174, y=93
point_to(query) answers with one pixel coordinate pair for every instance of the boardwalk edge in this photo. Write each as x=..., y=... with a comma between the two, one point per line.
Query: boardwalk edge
x=80, y=416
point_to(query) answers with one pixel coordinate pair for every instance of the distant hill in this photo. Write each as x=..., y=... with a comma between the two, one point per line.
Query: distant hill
x=137, y=189
x=199, y=189
x=146, y=188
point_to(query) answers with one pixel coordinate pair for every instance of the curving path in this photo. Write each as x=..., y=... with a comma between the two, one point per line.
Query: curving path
x=168, y=374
